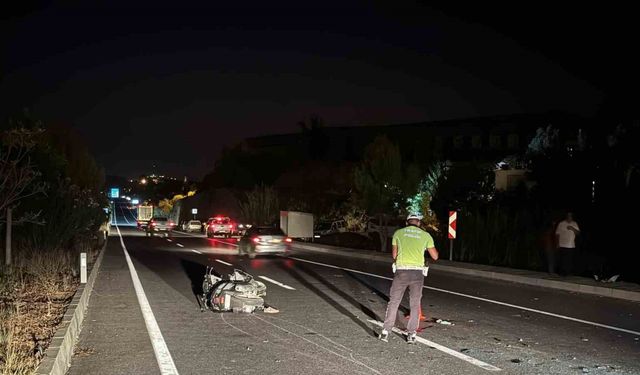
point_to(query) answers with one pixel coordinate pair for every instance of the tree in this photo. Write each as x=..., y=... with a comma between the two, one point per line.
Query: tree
x=259, y=206
x=19, y=177
x=381, y=184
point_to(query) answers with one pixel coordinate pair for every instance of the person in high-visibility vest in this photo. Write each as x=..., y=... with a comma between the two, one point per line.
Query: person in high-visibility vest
x=408, y=247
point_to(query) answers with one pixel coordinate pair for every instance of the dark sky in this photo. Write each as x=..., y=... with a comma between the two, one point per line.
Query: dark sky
x=174, y=84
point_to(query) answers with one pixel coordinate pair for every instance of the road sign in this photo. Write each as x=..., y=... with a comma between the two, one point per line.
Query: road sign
x=194, y=211
x=135, y=201
x=453, y=217
x=115, y=193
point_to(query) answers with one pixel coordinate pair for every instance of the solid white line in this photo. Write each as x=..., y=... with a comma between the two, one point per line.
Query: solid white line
x=278, y=283
x=165, y=361
x=196, y=251
x=223, y=262
x=179, y=244
x=444, y=349
x=486, y=300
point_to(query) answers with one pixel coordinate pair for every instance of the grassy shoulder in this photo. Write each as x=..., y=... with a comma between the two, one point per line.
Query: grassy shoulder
x=34, y=295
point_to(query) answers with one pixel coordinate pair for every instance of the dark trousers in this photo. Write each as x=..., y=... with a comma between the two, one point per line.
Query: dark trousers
x=401, y=280
x=565, y=260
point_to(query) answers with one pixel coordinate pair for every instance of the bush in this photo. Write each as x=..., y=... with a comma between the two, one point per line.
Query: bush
x=499, y=235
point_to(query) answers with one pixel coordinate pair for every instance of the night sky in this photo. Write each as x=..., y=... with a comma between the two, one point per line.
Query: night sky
x=175, y=84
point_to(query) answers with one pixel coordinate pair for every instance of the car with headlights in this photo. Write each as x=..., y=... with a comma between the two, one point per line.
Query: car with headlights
x=159, y=225
x=263, y=240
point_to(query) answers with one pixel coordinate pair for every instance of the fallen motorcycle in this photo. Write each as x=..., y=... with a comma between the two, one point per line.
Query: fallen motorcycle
x=239, y=292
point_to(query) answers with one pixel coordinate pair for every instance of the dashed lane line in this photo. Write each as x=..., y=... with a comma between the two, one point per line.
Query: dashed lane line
x=278, y=283
x=444, y=349
x=223, y=262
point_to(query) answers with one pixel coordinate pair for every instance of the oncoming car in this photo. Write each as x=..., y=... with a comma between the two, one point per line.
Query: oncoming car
x=264, y=240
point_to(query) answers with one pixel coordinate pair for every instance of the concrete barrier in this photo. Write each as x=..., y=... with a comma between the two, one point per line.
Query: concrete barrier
x=57, y=357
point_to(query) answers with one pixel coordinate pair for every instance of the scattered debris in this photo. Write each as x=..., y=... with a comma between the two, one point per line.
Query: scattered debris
x=516, y=360
x=585, y=339
x=470, y=321
x=497, y=339
x=444, y=322
x=465, y=350
x=271, y=310
x=249, y=348
x=83, y=351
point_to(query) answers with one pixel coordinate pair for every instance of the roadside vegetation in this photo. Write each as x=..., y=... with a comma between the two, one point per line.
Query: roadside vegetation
x=367, y=190
x=54, y=189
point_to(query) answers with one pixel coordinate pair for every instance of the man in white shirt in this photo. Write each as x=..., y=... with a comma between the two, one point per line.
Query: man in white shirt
x=566, y=233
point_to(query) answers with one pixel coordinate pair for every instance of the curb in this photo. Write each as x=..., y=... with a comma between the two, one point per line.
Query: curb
x=57, y=357
x=539, y=282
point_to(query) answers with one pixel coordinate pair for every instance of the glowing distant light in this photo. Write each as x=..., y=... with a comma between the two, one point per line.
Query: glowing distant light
x=143, y=181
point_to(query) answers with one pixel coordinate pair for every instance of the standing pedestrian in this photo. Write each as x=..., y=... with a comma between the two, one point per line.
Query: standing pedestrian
x=408, y=247
x=566, y=233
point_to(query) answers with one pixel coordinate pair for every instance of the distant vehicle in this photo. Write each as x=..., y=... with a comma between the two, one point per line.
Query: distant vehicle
x=241, y=229
x=159, y=225
x=264, y=240
x=192, y=226
x=145, y=213
x=326, y=228
x=219, y=225
x=297, y=224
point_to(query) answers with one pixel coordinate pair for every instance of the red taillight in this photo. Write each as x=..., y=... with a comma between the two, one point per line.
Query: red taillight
x=289, y=240
x=255, y=239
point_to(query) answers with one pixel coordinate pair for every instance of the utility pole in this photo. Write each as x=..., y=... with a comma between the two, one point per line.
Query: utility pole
x=7, y=252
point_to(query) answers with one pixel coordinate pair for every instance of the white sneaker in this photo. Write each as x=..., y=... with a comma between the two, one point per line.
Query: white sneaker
x=411, y=338
x=384, y=335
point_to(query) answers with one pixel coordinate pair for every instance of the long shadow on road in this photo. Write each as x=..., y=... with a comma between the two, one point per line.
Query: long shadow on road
x=335, y=304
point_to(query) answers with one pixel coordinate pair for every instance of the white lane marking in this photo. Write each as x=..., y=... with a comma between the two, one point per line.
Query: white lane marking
x=169, y=239
x=226, y=243
x=179, y=244
x=637, y=333
x=278, y=283
x=196, y=251
x=223, y=262
x=165, y=361
x=444, y=349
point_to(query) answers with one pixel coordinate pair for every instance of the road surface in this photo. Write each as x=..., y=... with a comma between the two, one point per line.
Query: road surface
x=329, y=309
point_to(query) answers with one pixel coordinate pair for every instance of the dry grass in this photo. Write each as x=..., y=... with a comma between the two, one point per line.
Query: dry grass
x=34, y=295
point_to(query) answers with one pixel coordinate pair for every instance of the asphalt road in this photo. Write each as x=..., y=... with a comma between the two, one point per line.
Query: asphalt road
x=326, y=319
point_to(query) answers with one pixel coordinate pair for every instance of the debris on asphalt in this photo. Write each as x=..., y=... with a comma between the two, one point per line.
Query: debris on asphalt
x=470, y=321
x=516, y=360
x=585, y=339
x=249, y=348
x=444, y=322
x=465, y=350
x=271, y=310
x=497, y=339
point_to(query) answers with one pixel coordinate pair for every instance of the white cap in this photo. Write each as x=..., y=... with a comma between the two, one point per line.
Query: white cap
x=414, y=216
